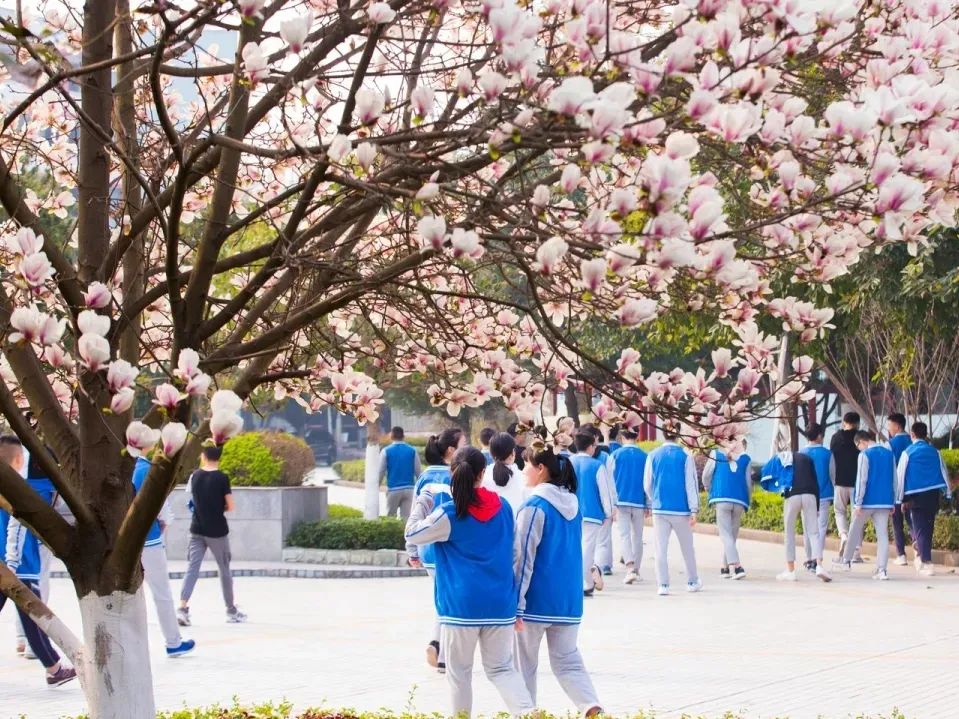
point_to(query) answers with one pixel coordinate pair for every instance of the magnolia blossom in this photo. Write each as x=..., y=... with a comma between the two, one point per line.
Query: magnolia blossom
x=172, y=437
x=198, y=385
x=339, y=148
x=570, y=178
x=464, y=81
x=571, y=95
x=540, y=198
x=549, y=255
x=421, y=100
x=366, y=154
x=637, y=311
x=492, y=84
x=722, y=361
x=380, y=13
x=187, y=364
x=224, y=425
x=141, y=438
x=36, y=269
x=251, y=8
x=121, y=374
x=167, y=396
x=466, y=243
x=97, y=296
x=26, y=242
x=593, y=273
x=94, y=351
x=28, y=323
x=369, y=105
x=295, y=30
x=254, y=63
x=225, y=401
x=122, y=400
x=57, y=357
x=432, y=232
x=89, y=322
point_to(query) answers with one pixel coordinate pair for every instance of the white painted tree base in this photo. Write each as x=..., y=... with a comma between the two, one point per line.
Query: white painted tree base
x=117, y=682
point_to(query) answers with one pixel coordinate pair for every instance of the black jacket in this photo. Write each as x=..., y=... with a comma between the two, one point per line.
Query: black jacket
x=804, y=477
x=844, y=451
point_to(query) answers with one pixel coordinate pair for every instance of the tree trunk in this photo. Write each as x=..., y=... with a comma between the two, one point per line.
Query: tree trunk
x=118, y=682
x=371, y=477
x=572, y=403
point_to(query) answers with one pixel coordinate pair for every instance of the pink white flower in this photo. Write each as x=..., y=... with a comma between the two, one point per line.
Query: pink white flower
x=89, y=322
x=254, y=63
x=198, y=385
x=466, y=243
x=36, y=269
x=141, y=438
x=369, y=105
x=549, y=255
x=224, y=425
x=593, y=273
x=464, y=82
x=26, y=242
x=28, y=323
x=251, y=8
x=94, y=351
x=432, y=231
x=121, y=374
x=492, y=84
x=225, y=401
x=381, y=13
x=339, y=148
x=122, y=400
x=295, y=30
x=366, y=154
x=637, y=311
x=97, y=296
x=172, y=436
x=421, y=100
x=571, y=96
x=570, y=178
x=167, y=396
x=722, y=361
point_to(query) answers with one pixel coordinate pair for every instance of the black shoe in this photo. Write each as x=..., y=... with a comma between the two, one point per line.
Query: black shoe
x=587, y=592
x=441, y=667
x=740, y=573
x=810, y=566
x=724, y=572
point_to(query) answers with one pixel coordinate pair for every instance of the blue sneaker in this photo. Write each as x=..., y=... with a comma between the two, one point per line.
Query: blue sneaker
x=186, y=646
x=607, y=571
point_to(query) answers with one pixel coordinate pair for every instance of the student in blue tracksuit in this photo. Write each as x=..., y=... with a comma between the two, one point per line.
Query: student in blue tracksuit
x=400, y=465
x=486, y=436
x=475, y=589
x=432, y=489
x=730, y=489
x=22, y=556
x=673, y=489
x=922, y=477
x=825, y=466
x=628, y=464
x=899, y=440
x=604, y=543
x=597, y=498
x=875, y=494
x=548, y=574
x=614, y=433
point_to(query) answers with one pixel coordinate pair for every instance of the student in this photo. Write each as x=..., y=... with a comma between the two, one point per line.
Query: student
x=432, y=489
x=825, y=466
x=156, y=574
x=597, y=497
x=899, y=440
x=922, y=476
x=875, y=496
x=671, y=484
x=475, y=590
x=22, y=556
x=513, y=431
x=628, y=464
x=548, y=570
x=613, y=442
x=212, y=498
x=486, y=435
x=793, y=475
x=846, y=456
x=400, y=464
x=502, y=476
x=729, y=487
x=604, y=544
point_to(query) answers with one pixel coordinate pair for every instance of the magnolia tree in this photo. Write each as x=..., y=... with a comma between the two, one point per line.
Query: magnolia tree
x=208, y=199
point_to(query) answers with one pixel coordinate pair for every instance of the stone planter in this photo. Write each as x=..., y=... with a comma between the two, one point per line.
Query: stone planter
x=259, y=525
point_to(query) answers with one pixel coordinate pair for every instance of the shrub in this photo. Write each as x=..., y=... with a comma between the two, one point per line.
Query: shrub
x=352, y=470
x=341, y=511
x=266, y=459
x=383, y=533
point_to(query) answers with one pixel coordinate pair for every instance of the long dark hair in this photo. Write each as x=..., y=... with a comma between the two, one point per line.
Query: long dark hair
x=437, y=445
x=501, y=447
x=467, y=466
x=558, y=467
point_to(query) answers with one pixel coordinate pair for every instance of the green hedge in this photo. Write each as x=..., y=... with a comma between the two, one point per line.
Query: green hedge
x=266, y=459
x=284, y=710
x=766, y=512
x=951, y=458
x=351, y=470
x=341, y=511
x=352, y=533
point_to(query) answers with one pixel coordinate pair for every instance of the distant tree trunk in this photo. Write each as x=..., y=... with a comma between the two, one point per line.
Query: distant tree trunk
x=372, y=475
x=572, y=403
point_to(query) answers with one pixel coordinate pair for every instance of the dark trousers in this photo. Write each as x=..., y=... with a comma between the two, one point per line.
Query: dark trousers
x=37, y=640
x=899, y=530
x=923, y=508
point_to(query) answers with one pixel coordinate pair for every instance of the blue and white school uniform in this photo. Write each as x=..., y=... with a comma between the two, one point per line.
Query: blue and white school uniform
x=730, y=488
x=874, y=496
x=550, y=599
x=628, y=464
x=825, y=467
x=673, y=489
x=597, y=497
x=399, y=465
x=604, y=543
x=475, y=595
x=922, y=477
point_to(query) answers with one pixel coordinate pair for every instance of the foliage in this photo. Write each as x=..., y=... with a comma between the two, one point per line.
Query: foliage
x=341, y=511
x=351, y=470
x=382, y=533
x=266, y=459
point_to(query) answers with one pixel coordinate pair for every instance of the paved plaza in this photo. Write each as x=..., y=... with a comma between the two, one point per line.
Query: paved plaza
x=757, y=647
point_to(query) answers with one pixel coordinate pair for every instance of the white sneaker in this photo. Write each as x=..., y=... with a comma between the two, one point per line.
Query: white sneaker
x=901, y=561
x=881, y=575
x=631, y=577
x=787, y=576
x=693, y=587
x=822, y=574
x=917, y=563
x=840, y=566
x=663, y=590
x=927, y=570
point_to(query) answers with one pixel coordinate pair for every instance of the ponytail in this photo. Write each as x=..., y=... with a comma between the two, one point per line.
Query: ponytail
x=558, y=467
x=502, y=447
x=438, y=445
x=466, y=468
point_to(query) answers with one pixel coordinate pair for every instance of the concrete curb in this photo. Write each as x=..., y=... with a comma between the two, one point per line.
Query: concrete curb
x=293, y=573
x=361, y=557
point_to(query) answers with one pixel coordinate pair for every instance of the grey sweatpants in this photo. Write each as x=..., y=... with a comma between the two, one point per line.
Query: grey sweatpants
x=220, y=547
x=564, y=659
x=631, y=521
x=806, y=505
x=496, y=649
x=842, y=502
x=664, y=525
x=157, y=577
x=729, y=516
x=604, y=545
x=825, y=505
x=880, y=520
x=591, y=535
x=399, y=501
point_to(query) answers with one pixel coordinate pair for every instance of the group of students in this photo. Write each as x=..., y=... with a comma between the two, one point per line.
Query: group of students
x=210, y=499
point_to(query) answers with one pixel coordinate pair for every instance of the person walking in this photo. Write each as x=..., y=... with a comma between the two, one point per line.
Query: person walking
x=475, y=589
x=548, y=570
x=400, y=465
x=729, y=488
x=899, y=440
x=922, y=476
x=22, y=557
x=669, y=478
x=503, y=476
x=597, y=497
x=628, y=464
x=875, y=495
x=156, y=572
x=825, y=467
x=486, y=436
x=846, y=455
x=604, y=543
x=793, y=475
x=212, y=499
